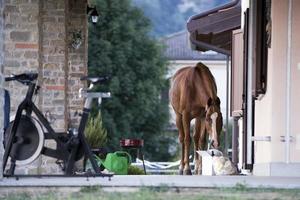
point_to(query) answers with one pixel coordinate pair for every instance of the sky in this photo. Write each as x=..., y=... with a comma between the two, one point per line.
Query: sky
x=170, y=16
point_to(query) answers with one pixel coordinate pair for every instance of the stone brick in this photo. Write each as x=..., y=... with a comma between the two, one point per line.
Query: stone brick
x=29, y=8
x=10, y=26
x=31, y=55
x=20, y=36
x=49, y=19
x=50, y=66
x=11, y=63
x=57, y=43
x=56, y=59
x=10, y=9
x=26, y=46
x=50, y=35
x=55, y=87
x=19, y=1
x=18, y=54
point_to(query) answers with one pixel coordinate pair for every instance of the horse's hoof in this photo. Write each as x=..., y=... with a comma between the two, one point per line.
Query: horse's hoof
x=180, y=172
x=187, y=172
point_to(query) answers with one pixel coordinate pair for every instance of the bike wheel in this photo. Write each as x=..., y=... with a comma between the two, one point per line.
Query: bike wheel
x=28, y=141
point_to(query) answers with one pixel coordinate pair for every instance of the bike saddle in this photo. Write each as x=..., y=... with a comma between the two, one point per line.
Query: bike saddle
x=95, y=79
x=24, y=78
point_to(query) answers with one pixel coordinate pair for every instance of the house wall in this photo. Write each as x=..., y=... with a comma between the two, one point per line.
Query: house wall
x=266, y=122
x=21, y=46
x=271, y=110
x=38, y=37
x=77, y=59
x=295, y=82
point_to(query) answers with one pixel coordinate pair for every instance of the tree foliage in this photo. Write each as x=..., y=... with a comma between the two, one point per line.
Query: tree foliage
x=120, y=46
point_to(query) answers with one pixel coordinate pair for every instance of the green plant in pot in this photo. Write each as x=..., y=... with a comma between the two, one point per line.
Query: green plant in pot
x=96, y=135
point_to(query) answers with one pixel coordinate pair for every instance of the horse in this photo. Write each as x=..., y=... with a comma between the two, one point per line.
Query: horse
x=193, y=95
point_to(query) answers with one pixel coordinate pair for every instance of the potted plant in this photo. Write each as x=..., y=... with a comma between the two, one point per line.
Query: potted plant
x=96, y=136
x=95, y=133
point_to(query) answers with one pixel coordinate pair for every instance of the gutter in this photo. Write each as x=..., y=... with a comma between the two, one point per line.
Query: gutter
x=214, y=10
x=203, y=14
x=208, y=46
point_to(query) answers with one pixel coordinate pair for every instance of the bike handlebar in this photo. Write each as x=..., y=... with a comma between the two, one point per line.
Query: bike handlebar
x=94, y=79
x=24, y=78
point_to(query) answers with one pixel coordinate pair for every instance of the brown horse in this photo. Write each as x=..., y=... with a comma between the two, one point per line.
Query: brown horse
x=193, y=94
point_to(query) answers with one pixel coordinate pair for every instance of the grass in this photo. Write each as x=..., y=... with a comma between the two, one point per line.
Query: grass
x=156, y=193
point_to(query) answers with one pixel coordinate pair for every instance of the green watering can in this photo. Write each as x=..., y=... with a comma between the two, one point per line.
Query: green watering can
x=116, y=162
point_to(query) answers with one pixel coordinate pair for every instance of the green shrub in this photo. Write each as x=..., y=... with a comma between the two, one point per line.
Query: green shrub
x=133, y=170
x=95, y=133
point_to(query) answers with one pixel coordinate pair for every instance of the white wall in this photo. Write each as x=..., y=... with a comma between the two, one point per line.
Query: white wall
x=271, y=111
x=295, y=82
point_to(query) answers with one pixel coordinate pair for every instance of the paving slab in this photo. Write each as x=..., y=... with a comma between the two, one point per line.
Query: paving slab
x=156, y=181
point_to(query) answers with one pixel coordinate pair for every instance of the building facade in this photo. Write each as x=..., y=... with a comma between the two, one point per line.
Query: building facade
x=262, y=39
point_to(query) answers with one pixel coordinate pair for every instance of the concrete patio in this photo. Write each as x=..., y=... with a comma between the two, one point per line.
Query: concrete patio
x=156, y=181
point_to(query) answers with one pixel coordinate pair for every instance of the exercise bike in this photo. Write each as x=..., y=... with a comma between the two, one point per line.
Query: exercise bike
x=24, y=138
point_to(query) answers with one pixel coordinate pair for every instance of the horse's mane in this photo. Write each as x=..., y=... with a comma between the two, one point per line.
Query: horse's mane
x=193, y=81
x=208, y=79
x=179, y=72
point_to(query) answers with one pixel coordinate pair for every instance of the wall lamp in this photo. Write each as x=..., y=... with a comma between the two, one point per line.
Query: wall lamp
x=93, y=13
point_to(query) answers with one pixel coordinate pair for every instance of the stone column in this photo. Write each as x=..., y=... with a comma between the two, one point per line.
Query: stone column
x=54, y=61
x=77, y=57
x=1, y=86
x=21, y=50
x=21, y=44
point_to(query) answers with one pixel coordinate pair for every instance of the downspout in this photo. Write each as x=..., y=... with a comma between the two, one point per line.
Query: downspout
x=249, y=81
x=288, y=85
x=227, y=104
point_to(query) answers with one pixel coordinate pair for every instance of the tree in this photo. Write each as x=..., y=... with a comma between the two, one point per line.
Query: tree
x=120, y=46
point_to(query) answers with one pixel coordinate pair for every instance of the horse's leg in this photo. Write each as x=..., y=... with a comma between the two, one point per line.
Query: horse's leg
x=181, y=138
x=187, y=140
x=196, y=145
x=202, y=142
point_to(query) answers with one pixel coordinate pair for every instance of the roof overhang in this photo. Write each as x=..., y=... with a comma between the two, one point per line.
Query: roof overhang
x=212, y=30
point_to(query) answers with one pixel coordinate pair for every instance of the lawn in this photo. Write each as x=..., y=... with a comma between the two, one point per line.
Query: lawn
x=93, y=193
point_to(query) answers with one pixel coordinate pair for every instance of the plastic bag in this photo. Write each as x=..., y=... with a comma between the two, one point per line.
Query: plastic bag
x=223, y=166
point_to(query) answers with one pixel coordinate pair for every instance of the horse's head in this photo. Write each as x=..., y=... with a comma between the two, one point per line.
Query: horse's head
x=214, y=121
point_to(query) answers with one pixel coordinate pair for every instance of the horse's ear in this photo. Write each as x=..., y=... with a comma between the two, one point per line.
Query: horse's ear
x=209, y=102
x=218, y=101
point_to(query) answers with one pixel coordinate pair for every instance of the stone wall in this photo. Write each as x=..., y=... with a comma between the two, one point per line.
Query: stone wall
x=21, y=46
x=1, y=84
x=38, y=36
x=54, y=61
x=77, y=58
